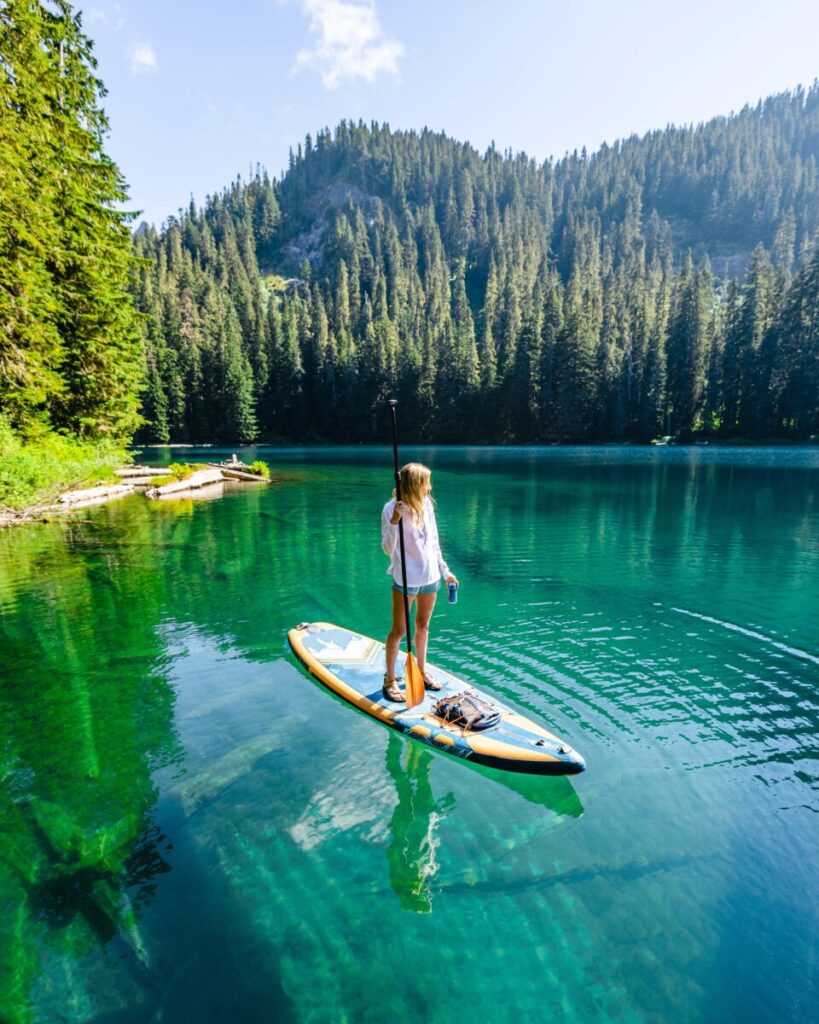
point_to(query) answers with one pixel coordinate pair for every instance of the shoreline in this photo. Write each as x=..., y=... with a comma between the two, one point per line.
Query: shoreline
x=811, y=442
x=46, y=512
x=130, y=482
x=24, y=517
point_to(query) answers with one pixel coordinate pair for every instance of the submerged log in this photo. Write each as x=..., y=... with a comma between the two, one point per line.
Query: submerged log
x=200, y=478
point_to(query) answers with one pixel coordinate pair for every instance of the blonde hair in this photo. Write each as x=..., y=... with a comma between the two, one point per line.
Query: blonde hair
x=415, y=486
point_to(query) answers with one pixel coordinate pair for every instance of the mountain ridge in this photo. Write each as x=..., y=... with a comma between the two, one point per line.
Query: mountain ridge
x=672, y=196
x=508, y=300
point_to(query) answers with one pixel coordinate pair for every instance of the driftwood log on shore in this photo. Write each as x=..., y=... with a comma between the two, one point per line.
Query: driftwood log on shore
x=95, y=495
x=137, y=473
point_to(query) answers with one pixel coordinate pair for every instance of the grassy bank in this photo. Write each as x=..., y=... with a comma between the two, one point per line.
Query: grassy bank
x=35, y=472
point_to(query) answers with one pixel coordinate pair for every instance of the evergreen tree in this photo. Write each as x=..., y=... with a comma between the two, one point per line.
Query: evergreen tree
x=31, y=346
x=70, y=348
x=759, y=308
x=794, y=386
x=688, y=346
x=654, y=412
x=576, y=386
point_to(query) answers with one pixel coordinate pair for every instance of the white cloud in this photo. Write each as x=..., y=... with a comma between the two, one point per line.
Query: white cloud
x=143, y=59
x=350, y=42
x=113, y=19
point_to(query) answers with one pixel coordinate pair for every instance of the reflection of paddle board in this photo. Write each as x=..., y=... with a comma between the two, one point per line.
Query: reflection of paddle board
x=352, y=666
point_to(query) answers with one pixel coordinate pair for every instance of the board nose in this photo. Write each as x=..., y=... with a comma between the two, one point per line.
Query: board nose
x=574, y=762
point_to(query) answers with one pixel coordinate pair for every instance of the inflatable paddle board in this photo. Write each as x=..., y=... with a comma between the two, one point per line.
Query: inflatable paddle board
x=352, y=667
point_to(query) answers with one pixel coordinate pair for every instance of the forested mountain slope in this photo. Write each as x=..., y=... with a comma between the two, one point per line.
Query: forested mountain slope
x=589, y=298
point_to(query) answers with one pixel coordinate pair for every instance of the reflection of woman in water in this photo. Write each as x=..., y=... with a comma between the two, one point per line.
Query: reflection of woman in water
x=413, y=840
x=413, y=843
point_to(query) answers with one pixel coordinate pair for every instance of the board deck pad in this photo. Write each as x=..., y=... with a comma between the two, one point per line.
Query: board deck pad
x=352, y=666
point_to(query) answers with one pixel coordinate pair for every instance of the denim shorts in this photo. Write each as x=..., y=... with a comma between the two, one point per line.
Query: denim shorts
x=428, y=588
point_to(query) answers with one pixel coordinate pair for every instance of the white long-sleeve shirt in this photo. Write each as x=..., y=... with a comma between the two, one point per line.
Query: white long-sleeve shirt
x=425, y=563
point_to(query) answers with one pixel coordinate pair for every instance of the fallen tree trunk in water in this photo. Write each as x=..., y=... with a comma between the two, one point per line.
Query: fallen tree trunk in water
x=240, y=474
x=200, y=478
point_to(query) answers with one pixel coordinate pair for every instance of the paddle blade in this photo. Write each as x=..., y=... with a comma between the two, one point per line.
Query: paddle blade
x=414, y=685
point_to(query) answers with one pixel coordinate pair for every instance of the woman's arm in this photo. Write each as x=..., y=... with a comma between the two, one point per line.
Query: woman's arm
x=389, y=530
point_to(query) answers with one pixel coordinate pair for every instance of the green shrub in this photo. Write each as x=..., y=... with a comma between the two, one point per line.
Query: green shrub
x=35, y=471
x=260, y=469
x=181, y=471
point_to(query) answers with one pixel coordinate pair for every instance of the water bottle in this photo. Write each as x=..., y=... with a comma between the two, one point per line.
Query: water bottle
x=453, y=593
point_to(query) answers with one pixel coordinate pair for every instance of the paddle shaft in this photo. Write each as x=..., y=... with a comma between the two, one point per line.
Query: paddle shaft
x=393, y=404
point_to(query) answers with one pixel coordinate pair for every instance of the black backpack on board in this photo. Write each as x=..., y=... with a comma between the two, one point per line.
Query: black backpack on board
x=468, y=711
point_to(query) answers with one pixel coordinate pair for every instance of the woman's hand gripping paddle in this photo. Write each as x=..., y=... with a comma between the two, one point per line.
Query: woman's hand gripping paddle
x=414, y=688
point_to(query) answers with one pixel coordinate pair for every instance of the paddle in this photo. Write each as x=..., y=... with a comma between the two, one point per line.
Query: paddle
x=414, y=689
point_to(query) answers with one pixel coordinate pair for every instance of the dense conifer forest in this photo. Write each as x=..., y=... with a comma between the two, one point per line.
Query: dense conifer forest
x=665, y=283
x=668, y=283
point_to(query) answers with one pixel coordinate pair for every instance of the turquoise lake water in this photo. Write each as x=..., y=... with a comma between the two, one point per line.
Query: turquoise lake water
x=194, y=831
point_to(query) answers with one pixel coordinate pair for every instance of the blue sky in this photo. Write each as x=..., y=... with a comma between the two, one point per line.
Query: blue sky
x=200, y=92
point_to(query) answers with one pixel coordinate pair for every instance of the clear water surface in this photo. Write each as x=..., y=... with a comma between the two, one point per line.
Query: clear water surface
x=192, y=830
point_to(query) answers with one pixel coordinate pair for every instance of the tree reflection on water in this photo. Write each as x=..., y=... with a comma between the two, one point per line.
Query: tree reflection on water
x=86, y=714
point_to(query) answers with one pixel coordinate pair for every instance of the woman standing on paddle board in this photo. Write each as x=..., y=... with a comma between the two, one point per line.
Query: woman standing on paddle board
x=425, y=566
